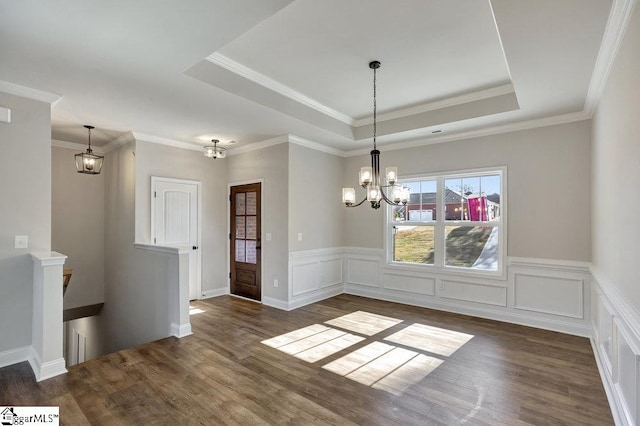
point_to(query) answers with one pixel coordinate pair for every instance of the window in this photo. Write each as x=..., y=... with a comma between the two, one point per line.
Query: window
x=451, y=222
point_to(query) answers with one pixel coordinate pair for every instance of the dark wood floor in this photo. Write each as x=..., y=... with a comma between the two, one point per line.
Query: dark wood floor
x=504, y=375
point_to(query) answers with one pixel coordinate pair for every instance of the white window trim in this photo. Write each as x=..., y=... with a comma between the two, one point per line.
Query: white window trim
x=438, y=266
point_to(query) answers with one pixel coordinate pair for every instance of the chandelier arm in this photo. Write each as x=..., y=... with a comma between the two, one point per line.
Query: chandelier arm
x=388, y=201
x=360, y=203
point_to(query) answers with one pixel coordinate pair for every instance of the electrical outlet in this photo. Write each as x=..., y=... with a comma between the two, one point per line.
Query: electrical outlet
x=275, y=283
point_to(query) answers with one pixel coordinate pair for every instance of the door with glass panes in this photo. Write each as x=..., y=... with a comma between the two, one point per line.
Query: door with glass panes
x=245, y=241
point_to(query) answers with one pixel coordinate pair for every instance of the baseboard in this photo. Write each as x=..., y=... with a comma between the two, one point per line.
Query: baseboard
x=316, y=296
x=476, y=311
x=216, y=292
x=45, y=370
x=181, y=330
x=275, y=303
x=14, y=356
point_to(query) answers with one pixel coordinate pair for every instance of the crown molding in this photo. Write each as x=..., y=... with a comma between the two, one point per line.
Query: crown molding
x=76, y=146
x=29, y=93
x=118, y=142
x=486, y=131
x=614, y=32
x=166, y=141
x=492, y=92
x=261, y=79
x=259, y=145
x=315, y=145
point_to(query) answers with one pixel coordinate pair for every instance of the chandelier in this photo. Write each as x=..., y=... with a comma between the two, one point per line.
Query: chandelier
x=370, y=175
x=87, y=162
x=215, y=151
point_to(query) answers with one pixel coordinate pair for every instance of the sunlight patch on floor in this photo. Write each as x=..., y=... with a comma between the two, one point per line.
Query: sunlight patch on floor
x=193, y=310
x=389, y=367
x=313, y=343
x=384, y=367
x=364, y=322
x=430, y=339
x=301, y=333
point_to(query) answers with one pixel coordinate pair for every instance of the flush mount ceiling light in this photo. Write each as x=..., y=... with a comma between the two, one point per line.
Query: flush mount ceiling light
x=88, y=162
x=214, y=151
x=370, y=176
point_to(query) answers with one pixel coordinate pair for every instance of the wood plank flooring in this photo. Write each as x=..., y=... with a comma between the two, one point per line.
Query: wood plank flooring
x=502, y=375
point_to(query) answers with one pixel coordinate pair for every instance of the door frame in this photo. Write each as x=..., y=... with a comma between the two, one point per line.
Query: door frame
x=154, y=181
x=229, y=185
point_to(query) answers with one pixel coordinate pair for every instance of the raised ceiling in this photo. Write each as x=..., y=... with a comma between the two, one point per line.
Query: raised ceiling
x=255, y=69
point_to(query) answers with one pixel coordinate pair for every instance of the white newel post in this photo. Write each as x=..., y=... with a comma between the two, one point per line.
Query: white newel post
x=179, y=297
x=46, y=356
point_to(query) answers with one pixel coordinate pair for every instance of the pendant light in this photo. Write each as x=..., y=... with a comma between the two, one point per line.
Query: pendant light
x=88, y=162
x=370, y=176
x=215, y=151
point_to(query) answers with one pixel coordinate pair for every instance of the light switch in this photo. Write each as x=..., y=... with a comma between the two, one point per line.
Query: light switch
x=268, y=236
x=299, y=236
x=21, y=242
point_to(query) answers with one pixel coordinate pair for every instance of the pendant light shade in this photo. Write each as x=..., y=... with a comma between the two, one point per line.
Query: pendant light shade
x=88, y=162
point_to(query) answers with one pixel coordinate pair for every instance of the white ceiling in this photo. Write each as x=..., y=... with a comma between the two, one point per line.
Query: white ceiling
x=254, y=69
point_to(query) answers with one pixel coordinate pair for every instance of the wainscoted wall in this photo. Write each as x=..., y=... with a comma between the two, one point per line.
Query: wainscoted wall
x=314, y=275
x=548, y=294
x=541, y=293
x=616, y=343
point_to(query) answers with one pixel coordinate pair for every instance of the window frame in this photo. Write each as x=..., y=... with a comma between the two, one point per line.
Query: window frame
x=438, y=266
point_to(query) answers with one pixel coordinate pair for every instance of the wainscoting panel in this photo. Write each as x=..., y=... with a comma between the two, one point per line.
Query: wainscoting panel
x=314, y=275
x=365, y=272
x=473, y=292
x=616, y=344
x=330, y=272
x=409, y=282
x=531, y=293
x=304, y=277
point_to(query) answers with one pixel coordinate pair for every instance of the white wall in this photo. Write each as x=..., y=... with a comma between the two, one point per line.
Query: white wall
x=77, y=227
x=25, y=190
x=270, y=164
x=136, y=305
x=315, y=207
x=548, y=187
x=615, y=203
x=167, y=161
x=616, y=171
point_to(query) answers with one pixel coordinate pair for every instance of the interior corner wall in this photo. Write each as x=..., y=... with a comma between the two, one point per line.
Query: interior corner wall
x=315, y=207
x=616, y=171
x=178, y=163
x=25, y=189
x=548, y=194
x=271, y=165
x=136, y=293
x=77, y=227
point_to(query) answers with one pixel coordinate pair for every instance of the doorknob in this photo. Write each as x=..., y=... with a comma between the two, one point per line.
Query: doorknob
x=195, y=247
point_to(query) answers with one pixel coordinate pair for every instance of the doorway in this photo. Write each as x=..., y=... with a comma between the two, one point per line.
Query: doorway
x=175, y=221
x=245, y=245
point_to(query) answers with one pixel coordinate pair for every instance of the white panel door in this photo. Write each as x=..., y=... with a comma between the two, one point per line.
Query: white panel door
x=175, y=222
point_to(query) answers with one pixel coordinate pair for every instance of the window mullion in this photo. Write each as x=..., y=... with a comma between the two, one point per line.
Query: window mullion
x=439, y=226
